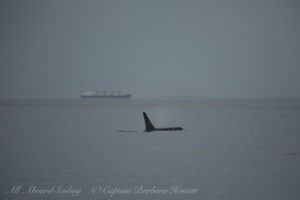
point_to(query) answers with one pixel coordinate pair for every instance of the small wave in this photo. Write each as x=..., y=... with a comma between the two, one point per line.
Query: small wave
x=290, y=154
x=128, y=131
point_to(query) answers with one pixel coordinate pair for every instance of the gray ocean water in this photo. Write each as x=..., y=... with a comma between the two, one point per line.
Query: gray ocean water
x=227, y=150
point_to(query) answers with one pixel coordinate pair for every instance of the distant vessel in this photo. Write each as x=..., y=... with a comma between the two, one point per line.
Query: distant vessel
x=97, y=95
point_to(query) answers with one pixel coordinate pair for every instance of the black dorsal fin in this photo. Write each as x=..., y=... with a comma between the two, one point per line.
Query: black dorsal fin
x=148, y=124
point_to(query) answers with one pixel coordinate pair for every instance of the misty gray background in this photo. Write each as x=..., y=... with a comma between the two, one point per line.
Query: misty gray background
x=219, y=49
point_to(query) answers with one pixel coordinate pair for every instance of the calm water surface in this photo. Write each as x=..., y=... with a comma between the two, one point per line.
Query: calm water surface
x=227, y=150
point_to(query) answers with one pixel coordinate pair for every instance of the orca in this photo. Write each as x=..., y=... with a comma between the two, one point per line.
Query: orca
x=150, y=127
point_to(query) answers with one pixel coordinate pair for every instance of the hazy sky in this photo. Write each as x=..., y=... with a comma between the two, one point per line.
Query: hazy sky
x=150, y=48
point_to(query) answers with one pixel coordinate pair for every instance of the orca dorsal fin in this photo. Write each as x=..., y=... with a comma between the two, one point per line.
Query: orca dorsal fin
x=148, y=123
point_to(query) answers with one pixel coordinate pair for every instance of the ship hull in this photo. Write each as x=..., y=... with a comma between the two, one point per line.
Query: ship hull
x=127, y=96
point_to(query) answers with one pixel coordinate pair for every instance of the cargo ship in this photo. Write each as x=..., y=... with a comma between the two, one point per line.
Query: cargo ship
x=97, y=95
